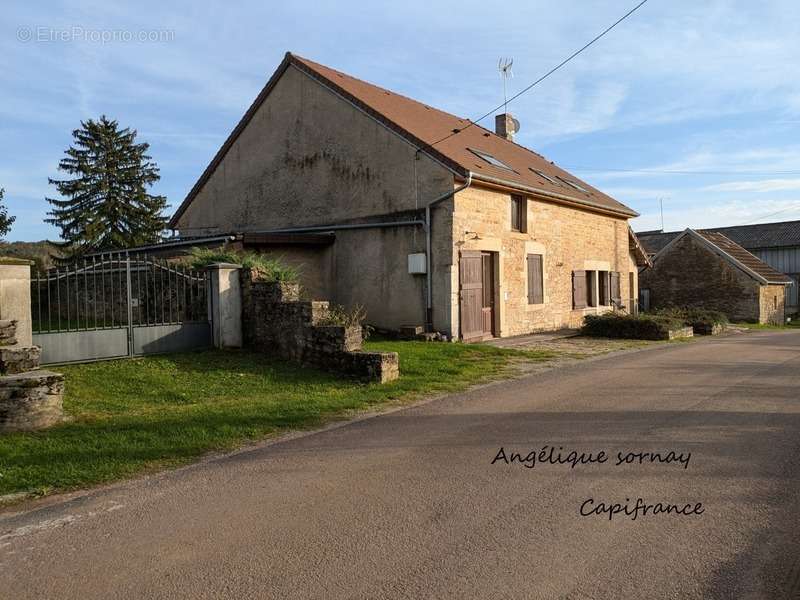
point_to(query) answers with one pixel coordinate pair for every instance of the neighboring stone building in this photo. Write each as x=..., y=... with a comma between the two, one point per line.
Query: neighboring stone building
x=705, y=269
x=424, y=218
x=777, y=244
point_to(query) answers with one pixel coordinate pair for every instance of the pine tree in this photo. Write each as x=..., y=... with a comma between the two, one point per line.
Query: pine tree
x=106, y=205
x=5, y=220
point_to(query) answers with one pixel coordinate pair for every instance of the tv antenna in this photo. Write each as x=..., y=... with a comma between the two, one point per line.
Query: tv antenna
x=504, y=66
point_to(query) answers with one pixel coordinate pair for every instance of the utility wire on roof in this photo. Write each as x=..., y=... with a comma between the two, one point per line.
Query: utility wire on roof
x=671, y=172
x=542, y=78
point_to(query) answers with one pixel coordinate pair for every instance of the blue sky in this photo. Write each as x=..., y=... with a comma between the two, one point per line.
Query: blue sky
x=711, y=88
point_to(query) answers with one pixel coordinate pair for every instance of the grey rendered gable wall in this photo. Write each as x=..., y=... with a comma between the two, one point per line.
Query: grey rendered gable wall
x=309, y=157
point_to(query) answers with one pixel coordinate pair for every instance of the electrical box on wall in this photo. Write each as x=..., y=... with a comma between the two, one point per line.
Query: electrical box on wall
x=417, y=265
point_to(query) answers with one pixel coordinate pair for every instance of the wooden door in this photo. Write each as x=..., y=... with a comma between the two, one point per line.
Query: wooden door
x=471, y=295
x=487, y=309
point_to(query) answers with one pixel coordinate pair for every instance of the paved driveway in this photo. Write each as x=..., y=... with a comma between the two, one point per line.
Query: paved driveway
x=408, y=504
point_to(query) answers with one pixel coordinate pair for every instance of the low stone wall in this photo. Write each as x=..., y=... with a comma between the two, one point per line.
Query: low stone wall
x=683, y=332
x=708, y=328
x=31, y=400
x=29, y=397
x=275, y=320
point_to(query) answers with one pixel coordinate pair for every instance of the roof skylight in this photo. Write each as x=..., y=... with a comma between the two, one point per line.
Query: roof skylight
x=490, y=159
x=544, y=176
x=574, y=184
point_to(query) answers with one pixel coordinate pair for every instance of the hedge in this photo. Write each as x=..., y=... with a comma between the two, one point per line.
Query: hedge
x=700, y=319
x=634, y=327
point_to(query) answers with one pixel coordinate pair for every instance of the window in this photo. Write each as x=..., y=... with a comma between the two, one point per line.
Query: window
x=535, y=279
x=591, y=288
x=574, y=185
x=490, y=159
x=519, y=213
x=544, y=176
x=603, y=295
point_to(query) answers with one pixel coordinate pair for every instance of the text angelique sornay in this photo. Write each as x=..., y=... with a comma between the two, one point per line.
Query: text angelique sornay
x=557, y=456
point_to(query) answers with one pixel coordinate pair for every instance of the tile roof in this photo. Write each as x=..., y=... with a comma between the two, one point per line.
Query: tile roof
x=424, y=125
x=766, y=235
x=655, y=241
x=732, y=252
x=731, y=248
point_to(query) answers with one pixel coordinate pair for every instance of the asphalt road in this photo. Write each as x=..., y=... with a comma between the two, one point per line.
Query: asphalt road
x=408, y=504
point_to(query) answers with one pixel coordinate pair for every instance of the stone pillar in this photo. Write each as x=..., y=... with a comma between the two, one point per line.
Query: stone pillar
x=15, y=297
x=225, y=305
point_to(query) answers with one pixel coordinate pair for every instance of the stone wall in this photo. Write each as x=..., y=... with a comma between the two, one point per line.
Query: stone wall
x=275, y=320
x=30, y=398
x=690, y=274
x=772, y=303
x=568, y=239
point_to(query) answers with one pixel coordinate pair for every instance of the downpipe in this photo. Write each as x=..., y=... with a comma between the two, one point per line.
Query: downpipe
x=429, y=248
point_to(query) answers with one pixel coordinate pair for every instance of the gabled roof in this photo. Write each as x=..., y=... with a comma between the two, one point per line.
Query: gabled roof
x=654, y=241
x=423, y=125
x=733, y=253
x=635, y=246
x=767, y=235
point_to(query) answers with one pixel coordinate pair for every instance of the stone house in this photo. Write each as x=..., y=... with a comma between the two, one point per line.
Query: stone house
x=422, y=217
x=777, y=244
x=706, y=269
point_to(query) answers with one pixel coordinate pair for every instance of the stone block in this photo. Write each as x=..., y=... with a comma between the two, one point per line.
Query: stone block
x=380, y=367
x=683, y=332
x=8, y=332
x=18, y=358
x=31, y=400
x=409, y=332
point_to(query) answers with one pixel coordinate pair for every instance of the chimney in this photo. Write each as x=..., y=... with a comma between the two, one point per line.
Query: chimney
x=506, y=126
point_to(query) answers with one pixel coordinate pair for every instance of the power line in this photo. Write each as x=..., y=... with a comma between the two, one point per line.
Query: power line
x=674, y=172
x=543, y=77
x=794, y=207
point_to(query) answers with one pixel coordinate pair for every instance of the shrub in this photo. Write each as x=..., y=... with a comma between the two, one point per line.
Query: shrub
x=634, y=327
x=700, y=319
x=262, y=266
x=339, y=316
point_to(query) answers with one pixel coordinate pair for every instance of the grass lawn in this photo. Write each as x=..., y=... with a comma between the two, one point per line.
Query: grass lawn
x=136, y=415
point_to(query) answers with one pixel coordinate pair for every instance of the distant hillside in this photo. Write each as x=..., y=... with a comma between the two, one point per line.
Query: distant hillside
x=39, y=252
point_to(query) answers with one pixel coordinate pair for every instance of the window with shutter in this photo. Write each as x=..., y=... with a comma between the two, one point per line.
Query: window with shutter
x=579, y=289
x=591, y=288
x=535, y=279
x=604, y=288
x=519, y=213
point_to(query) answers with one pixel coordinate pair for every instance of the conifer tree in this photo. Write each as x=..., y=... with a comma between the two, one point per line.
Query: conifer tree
x=5, y=220
x=105, y=206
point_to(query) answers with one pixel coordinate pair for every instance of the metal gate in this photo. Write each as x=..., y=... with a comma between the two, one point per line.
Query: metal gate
x=115, y=305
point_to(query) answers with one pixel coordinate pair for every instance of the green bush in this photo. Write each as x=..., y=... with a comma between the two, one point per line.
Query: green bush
x=634, y=327
x=262, y=266
x=698, y=318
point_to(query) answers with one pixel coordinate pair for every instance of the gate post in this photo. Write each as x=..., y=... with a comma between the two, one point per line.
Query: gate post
x=225, y=305
x=15, y=296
